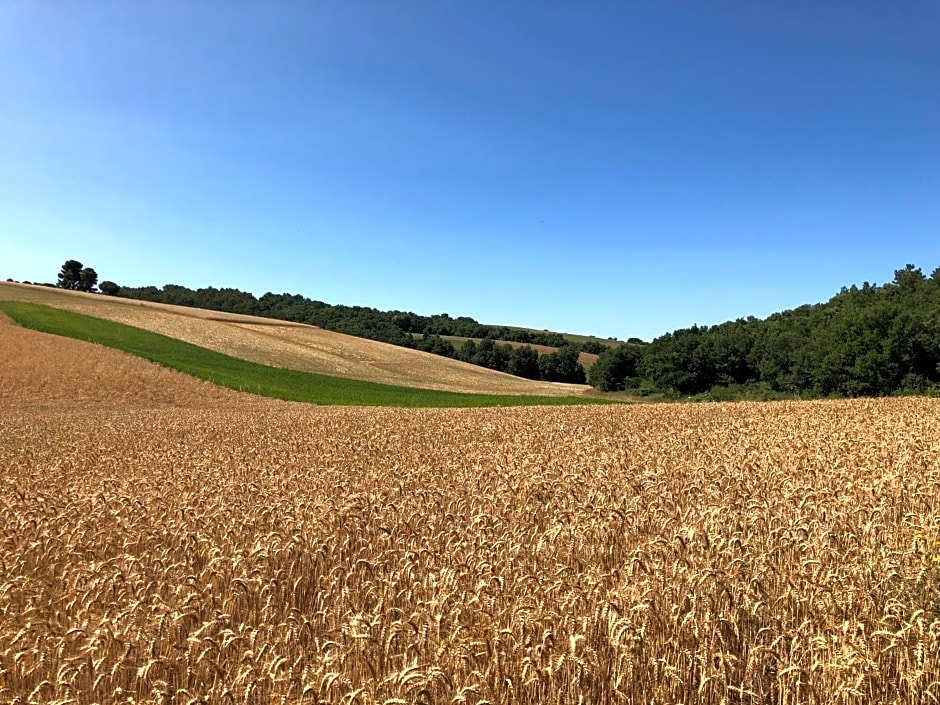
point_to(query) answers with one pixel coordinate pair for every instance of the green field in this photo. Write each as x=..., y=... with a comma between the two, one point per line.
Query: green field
x=255, y=378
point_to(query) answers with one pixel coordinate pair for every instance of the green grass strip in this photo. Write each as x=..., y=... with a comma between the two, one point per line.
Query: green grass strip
x=245, y=376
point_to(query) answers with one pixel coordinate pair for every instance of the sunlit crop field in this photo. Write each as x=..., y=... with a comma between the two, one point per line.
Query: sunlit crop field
x=747, y=553
x=292, y=345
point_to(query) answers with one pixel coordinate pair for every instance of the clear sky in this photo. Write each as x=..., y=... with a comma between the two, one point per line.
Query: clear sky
x=621, y=169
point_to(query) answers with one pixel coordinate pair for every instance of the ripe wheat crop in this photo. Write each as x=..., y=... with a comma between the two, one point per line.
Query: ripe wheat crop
x=740, y=553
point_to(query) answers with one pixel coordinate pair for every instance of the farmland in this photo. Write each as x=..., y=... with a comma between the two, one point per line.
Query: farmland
x=243, y=375
x=167, y=541
x=292, y=346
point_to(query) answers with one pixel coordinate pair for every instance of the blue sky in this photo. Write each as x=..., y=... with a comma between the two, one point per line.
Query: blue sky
x=622, y=169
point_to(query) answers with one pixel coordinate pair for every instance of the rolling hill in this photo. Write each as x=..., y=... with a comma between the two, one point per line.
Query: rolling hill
x=292, y=346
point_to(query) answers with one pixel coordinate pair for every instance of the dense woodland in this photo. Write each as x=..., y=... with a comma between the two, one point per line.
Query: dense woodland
x=865, y=341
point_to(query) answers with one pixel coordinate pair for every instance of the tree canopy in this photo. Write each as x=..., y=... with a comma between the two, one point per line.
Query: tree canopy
x=865, y=341
x=74, y=275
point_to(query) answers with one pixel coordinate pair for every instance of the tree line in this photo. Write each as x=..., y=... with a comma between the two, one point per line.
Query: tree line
x=562, y=365
x=392, y=326
x=865, y=341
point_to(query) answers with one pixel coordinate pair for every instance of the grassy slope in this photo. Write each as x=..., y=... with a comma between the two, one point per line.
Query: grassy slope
x=242, y=375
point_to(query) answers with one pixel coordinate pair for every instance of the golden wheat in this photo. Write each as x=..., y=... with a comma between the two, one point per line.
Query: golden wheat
x=38, y=370
x=273, y=552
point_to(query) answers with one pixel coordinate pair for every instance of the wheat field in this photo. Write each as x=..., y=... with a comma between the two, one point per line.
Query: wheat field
x=40, y=371
x=225, y=549
x=293, y=346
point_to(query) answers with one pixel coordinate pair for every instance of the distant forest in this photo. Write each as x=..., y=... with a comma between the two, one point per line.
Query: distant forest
x=865, y=341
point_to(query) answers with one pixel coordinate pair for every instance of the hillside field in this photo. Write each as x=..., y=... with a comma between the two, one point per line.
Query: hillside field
x=245, y=376
x=165, y=541
x=293, y=346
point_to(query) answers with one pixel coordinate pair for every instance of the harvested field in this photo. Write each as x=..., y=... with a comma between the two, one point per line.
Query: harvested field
x=721, y=553
x=292, y=345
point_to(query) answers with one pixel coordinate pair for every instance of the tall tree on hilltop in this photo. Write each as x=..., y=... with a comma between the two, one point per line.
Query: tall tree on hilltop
x=71, y=275
x=76, y=276
x=88, y=279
